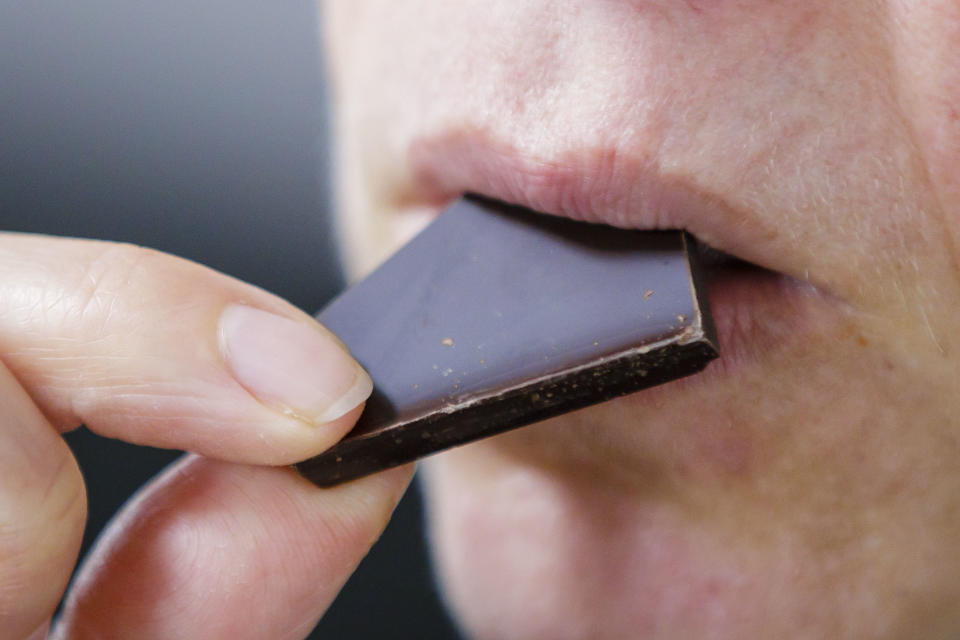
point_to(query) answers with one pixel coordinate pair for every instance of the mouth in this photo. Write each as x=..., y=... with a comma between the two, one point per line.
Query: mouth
x=760, y=290
x=604, y=186
x=757, y=310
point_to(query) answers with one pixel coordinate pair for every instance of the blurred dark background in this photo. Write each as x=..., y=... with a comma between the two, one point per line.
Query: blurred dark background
x=196, y=128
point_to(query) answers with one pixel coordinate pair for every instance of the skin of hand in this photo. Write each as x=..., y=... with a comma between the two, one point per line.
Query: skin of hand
x=156, y=350
x=807, y=484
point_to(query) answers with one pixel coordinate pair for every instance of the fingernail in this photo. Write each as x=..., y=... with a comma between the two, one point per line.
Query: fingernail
x=300, y=369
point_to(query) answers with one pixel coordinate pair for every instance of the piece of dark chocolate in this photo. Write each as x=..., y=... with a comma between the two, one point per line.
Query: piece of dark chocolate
x=496, y=317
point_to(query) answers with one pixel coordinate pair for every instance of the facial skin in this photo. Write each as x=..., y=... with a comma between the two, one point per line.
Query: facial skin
x=807, y=484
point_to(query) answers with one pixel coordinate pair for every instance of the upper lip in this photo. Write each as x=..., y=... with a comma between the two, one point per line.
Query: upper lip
x=598, y=185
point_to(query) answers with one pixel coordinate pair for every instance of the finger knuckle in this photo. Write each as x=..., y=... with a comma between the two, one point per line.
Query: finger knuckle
x=108, y=281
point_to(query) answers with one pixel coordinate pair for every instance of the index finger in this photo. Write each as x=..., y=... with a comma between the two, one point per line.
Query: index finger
x=157, y=350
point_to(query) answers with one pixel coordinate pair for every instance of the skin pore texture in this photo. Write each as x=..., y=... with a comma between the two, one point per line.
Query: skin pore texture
x=807, y=484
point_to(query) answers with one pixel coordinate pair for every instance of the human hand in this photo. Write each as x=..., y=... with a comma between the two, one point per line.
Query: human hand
x=156, y=350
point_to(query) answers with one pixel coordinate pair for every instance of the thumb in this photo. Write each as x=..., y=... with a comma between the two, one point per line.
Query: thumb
x=157, y=350
x=217, y=550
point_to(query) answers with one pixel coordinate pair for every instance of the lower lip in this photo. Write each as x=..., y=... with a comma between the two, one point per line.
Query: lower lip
x=757, y=311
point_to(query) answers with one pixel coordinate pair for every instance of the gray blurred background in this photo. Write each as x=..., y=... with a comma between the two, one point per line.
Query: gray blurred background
x=196, y=128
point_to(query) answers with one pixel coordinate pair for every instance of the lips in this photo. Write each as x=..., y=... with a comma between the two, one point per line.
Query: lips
x=600, y=185
x=759, y=289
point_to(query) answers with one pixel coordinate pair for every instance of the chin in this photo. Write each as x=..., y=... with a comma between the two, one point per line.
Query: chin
x=527, y=556
x=533, y=538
